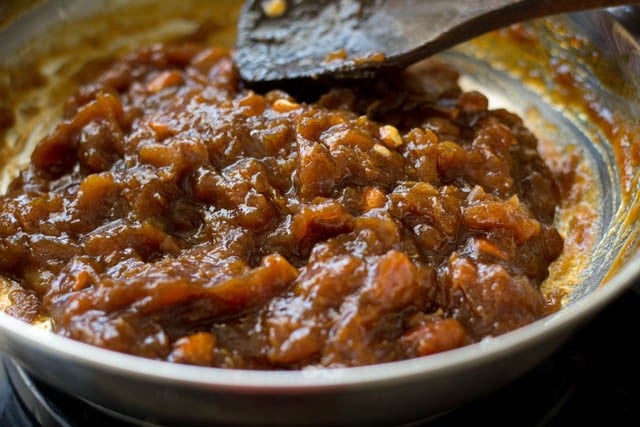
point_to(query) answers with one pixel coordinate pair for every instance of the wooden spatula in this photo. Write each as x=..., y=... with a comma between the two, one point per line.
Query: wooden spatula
x=292, y=39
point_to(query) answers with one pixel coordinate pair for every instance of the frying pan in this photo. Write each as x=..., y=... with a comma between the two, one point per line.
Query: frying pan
x=578, y=93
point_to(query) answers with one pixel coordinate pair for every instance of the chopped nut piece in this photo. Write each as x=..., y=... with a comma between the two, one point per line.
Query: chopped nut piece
x=196, y=349
x=373, y=198
x=370, y=58
x=390, y=136
x=338, y=55
x=382, y=150
x=274, y=8
x=284, y=106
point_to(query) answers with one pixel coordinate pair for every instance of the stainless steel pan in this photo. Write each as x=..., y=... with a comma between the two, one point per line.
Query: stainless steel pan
x=158, y=392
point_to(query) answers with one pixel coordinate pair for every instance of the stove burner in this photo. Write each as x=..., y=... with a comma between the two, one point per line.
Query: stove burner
x=35, y=404
x=551, y=384
x=593, y=379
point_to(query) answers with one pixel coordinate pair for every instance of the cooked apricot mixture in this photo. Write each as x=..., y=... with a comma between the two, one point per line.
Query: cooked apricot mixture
x=177, y=215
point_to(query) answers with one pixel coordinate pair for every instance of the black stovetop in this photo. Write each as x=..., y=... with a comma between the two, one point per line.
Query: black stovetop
x=593, y=379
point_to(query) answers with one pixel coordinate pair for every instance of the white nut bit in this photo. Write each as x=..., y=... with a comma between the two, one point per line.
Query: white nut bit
x=284, y=106
x=382, y=150
x=390, y=136
x=274, y=8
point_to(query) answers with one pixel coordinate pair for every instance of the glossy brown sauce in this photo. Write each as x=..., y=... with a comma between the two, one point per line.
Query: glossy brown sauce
x=176, y=215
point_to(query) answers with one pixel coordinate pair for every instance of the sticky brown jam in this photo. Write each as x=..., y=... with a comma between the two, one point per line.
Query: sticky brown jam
x=176, y=215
